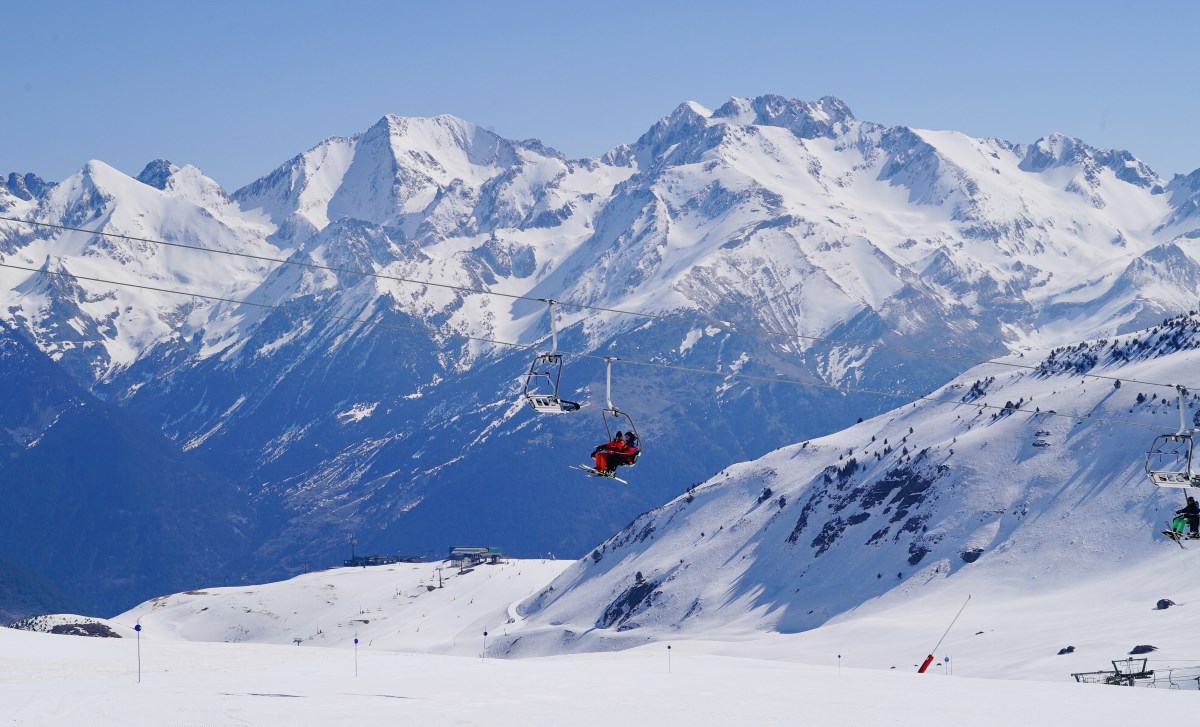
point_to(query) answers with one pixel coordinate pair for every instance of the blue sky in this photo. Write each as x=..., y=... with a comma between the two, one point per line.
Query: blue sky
x=236, y=88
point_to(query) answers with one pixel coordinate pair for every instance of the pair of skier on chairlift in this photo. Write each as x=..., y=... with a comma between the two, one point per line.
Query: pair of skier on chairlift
x=621, y=450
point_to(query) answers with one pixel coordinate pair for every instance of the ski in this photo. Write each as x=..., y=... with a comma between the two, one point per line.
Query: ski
x=1177, y=537
x=597, y=473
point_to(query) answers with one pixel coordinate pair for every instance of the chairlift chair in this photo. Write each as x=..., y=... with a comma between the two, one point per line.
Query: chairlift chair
x=545, y=376
x=612, y=417
x=541, y=385
x=1169, y=461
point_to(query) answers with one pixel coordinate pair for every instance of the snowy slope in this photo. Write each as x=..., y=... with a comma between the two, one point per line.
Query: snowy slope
x=269, y=684
x=1041, y=491
x=426, y=607
x=1002, y=656
x=1012, y=628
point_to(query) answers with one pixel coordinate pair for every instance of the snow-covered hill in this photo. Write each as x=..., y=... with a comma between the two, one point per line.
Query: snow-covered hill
x=1011, y=628
x=427, y=607
x=333, y=414
x=1042, y=491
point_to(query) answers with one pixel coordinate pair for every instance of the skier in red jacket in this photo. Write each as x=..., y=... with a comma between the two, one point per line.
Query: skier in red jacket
x=629, y=455
x=609, y=454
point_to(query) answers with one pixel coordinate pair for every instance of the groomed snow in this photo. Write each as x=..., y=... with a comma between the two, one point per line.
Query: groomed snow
x=757, y=679
x=72, y=680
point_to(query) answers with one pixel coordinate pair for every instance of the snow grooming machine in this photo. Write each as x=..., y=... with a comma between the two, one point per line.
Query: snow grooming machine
x=545, y=375
x=1169, y=461
x=612, y=416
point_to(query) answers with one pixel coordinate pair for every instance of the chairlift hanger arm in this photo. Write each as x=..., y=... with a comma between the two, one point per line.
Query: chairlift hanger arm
x=553, y=327
x=608, y=383
x=1182, y=425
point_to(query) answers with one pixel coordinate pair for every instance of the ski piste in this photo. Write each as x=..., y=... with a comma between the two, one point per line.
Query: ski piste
x=597, y=473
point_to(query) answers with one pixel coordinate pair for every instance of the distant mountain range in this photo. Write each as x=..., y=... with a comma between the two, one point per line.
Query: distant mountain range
x=294, y=405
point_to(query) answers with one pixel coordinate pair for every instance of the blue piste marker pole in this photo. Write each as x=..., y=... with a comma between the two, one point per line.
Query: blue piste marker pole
x=484, y=654
x=356, y=654
x=668, y=658
x=138, y=628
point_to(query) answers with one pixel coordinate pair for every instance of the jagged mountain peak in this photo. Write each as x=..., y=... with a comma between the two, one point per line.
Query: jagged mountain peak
x=100, y=178
x=86, y=195
x=156, y=173
x=691, y=130
x=1185, y=198
x=685, y=121
x=187, y=182
x=424, y=135
x=26, y=186
x=177, y=197
x=403, y=170
x=1060, y=150
x=828, y=116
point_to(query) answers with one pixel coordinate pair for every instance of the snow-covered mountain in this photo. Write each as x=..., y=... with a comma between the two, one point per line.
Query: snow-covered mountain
x=101, y=507
x=338, y=413
x=1007, y=479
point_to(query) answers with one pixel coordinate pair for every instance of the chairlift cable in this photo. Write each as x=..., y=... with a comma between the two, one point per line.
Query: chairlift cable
x=268, y=259
x=633, y=362
x=731, y=327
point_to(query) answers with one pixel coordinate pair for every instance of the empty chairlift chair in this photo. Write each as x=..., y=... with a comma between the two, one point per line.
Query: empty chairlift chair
x=1169, y=461
x=545, y=376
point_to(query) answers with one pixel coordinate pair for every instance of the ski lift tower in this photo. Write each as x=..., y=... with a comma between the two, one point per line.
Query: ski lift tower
x=1126, y=672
